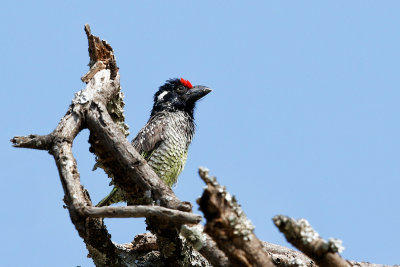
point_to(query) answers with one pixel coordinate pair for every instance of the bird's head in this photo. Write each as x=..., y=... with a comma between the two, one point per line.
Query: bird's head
x=178, y=94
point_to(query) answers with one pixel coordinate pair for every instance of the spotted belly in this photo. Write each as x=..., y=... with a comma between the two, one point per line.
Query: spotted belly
x=168, y=162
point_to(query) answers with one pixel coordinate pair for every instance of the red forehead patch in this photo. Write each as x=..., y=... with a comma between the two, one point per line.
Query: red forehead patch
x=186, y=83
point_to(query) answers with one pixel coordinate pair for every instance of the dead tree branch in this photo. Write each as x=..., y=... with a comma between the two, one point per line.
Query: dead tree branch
x=92, y=230
x=89, y=109
x=229, y=227
x=301, y=235
x=174, y=216
x=233, y=232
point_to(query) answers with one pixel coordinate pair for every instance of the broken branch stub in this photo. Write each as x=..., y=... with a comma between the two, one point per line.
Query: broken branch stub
x=301, y=235
x=100, y=51
x=228, y=226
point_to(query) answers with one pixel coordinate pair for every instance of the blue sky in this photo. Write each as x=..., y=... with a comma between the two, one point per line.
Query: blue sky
x=303, y=119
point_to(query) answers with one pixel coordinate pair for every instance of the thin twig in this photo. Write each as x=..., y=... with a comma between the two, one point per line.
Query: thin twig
x=176, y=216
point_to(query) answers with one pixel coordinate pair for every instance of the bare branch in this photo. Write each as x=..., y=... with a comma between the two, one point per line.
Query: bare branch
x=92, y=230
x=88, y=109
x=228, y=226
x=175, y=216
x=285, y=257
x=42, y=142
x=301, y=235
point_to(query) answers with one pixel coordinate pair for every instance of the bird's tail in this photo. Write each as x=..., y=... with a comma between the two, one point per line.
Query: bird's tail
x=115, y=196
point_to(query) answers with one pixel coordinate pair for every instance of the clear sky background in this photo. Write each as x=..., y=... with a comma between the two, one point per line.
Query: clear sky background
x=303, y=119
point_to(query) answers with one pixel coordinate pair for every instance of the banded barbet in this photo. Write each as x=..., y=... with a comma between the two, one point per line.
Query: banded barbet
x=164, y=141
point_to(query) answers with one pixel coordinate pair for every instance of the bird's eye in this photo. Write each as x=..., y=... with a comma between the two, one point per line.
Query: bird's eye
x=180, y=90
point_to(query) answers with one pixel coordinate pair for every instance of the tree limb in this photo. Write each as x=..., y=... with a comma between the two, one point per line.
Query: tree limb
x=229, y=227
x=129, y=170
x=301, y=235
x=175, y=216
x=41, y=142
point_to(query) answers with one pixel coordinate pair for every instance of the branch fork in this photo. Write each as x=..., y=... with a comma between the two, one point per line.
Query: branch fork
x=89, y=109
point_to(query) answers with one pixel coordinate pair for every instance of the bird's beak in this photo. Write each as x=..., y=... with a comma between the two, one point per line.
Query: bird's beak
x=197, y=92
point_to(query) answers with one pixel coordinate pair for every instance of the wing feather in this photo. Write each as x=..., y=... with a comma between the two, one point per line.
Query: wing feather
x=150, y=136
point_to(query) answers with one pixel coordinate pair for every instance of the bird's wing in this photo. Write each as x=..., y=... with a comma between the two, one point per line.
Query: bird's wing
x=149, y=137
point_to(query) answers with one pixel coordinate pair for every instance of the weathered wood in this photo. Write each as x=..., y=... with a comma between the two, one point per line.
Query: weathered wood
x=89, y=109
x=161, y=213
x=228, y=226
x=100, y=51
x=301, y=235
x=92, y=230
x=203, y=243
x=42, y=142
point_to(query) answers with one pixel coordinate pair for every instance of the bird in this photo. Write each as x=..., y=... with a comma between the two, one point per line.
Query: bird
x=164, y=141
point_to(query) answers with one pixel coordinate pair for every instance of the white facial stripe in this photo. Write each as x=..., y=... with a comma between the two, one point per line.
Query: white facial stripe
x=161, y=96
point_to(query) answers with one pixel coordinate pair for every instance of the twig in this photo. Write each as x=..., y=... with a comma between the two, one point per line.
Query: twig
x=175, y=216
